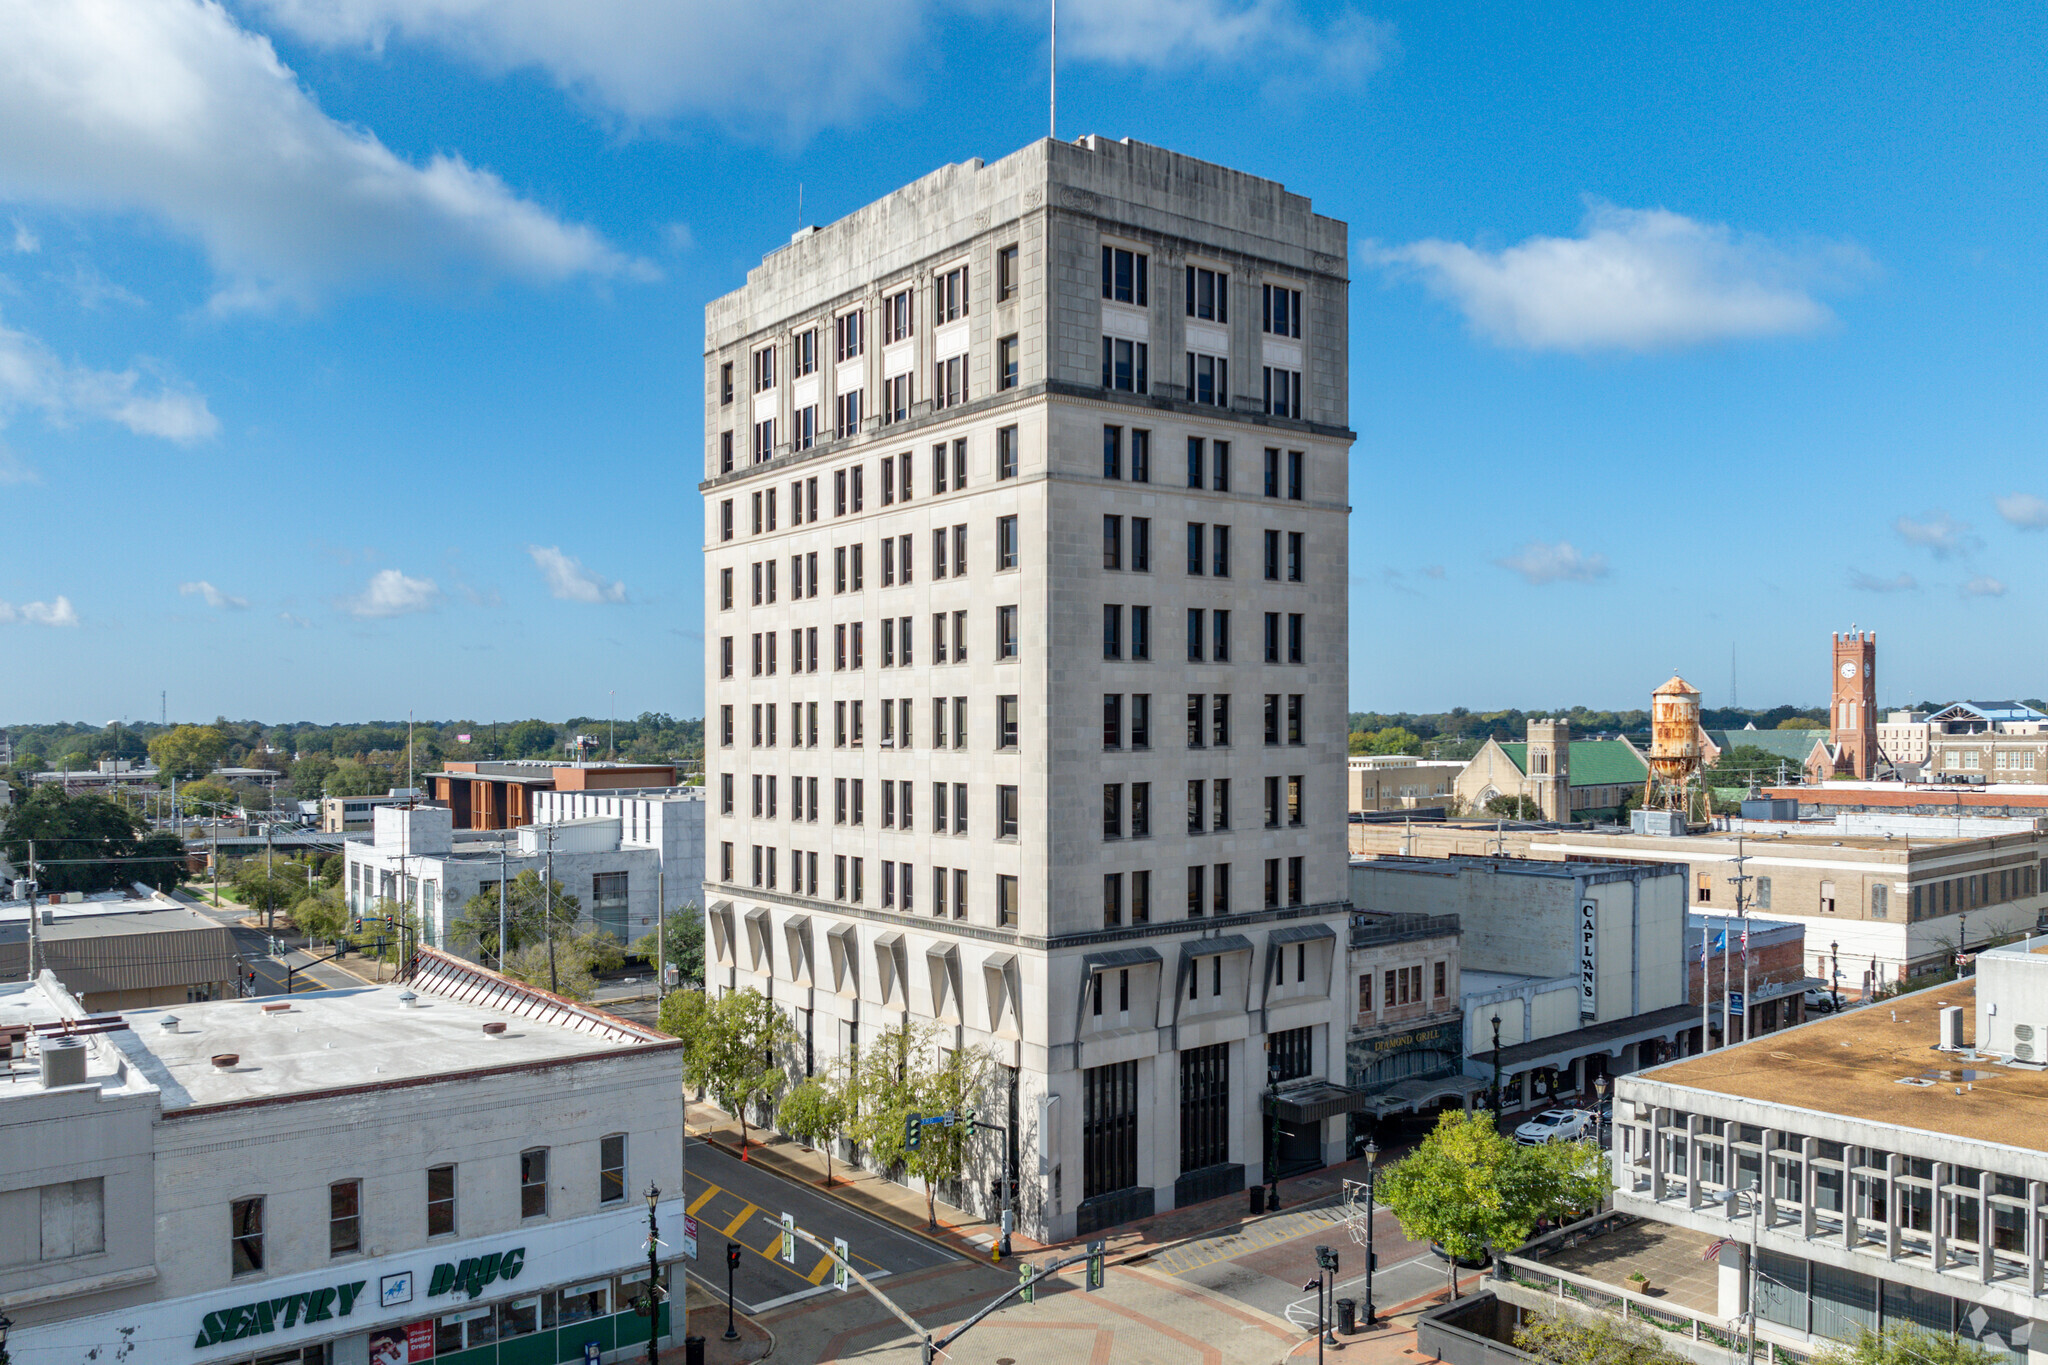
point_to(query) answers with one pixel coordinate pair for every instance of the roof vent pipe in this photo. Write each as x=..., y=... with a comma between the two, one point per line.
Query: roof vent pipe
x=169, y=1023
x=407, y=1000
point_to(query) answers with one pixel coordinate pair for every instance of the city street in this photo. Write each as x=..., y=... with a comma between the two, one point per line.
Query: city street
x=735, y=1201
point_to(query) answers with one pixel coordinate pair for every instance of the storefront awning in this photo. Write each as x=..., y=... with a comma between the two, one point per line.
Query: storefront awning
x=1406, y=1097
x=1314, y=1103
x=1608, y=1037
x=1120, y=957
x=1215, y=945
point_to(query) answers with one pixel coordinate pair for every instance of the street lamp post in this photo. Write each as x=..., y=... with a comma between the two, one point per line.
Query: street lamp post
x=1372, y=1156
x=1835, y=956
x=1498, y=1106
x=1272, y=1138
x=5, y=1323
x=653, y=1271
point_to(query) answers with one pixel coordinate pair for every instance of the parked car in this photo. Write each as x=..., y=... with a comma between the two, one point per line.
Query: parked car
x=1558, y=1125
x=1819, y=1002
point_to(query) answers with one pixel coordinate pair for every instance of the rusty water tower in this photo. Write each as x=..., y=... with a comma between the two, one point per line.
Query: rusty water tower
x=1675, y=756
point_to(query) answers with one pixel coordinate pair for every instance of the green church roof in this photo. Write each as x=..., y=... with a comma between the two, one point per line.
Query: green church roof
x=1594, y=762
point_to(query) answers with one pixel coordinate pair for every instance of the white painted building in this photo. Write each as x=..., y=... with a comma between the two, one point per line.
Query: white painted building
x=1026, y=579
x=607, y=849
x=1884, y=1167
x=1581, y=962
x=456, y=1160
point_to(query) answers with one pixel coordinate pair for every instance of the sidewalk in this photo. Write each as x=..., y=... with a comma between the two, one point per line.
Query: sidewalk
x=961, y=1231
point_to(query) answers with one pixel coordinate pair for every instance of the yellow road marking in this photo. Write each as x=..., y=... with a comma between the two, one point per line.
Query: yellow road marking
x=701, y=1200
x=732, y=1228
x=773, y=1251
x=817, y=1275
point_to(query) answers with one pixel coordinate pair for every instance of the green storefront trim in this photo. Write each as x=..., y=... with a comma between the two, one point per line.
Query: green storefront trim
x=562, y=1345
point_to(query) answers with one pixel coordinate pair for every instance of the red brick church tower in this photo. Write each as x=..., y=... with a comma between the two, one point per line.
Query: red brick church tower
x=1853, y=722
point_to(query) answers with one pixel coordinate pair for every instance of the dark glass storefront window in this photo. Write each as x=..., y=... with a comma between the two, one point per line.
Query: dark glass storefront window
x=1204, y=1107
x=1109, y=1128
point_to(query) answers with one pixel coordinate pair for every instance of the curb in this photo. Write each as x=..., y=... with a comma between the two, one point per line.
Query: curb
x=967, y=1252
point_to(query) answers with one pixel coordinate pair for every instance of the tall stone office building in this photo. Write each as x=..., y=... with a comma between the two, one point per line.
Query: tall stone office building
x=1026, y=658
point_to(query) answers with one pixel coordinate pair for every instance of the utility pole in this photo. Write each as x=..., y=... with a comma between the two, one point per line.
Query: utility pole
x=502, y=864
x=660, y=933
x=1741, y=881
x=269, y=889
x=35, y=915
x=548, y=910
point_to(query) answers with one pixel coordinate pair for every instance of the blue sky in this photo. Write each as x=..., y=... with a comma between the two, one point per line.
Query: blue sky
x=349, y=349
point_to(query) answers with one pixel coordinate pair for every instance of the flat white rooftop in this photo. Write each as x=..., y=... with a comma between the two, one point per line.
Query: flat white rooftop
x=334, y=1040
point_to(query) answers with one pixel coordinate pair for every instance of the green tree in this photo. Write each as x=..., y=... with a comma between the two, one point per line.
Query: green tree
x=532, y=915
x=273, y=888
x=685, y=931
x=1907, y=1346
x=734, y=1053
x=569, y=966
x=1393, y=739
x=206, y=798
x=904, y=1072
x=354, y=778
x=815, y=1111
x=188, y=751
x=83, y=843
x=1514, y=808
x=1470, y=1189
x=1800, y=723
x=323, y=915
x=308, y=777
x=683, y=1014
x=1592, y=1339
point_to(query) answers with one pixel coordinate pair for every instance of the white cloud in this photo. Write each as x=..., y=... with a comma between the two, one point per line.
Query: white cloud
x=294, y=620
x=172, y=109
x=1541, y=562
x=31, y=376
x=1633, y=279
x=2024, y=510
x=391, y=593
x=1938, y=532
x=214, y=596
x=679, y=237
x=1984, y=585
x=57, y=613
x=648, y=63
x=569, y=581
x=1250, y=36
x=15, y=470
x=1864, y=582
x=25, y=241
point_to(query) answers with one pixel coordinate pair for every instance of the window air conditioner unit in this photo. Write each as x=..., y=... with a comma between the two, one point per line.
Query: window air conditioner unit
x=2029, y=1043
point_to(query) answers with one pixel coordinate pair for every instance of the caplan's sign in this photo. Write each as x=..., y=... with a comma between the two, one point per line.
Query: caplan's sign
x=469, y=1276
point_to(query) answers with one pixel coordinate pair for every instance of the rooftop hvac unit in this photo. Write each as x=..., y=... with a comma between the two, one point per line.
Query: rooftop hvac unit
x=63, y=1062
x=2029, y=1043
x=1951, y=1029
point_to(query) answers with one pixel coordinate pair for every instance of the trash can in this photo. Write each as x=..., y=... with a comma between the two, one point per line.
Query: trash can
x=1347, y=1316
x=1258, y=1194
x=693, y=1351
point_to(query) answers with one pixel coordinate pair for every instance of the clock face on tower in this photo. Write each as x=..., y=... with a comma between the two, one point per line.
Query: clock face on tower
x=1848, y=669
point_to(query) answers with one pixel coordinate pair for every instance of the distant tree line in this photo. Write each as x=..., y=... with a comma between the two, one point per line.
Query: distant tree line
x=360, y=759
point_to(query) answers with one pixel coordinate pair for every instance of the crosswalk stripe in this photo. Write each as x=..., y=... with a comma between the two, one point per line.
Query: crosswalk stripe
x=701, y=1200
x=732, y=1228
x=817, y=1275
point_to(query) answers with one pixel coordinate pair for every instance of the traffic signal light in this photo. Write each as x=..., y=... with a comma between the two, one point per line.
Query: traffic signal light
x=1098, y=1259
x=358, y=925
x=913, y=1130
x=1029, y=1279
x=732, y=1255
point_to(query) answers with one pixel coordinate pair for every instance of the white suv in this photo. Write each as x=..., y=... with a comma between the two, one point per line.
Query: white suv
x=1558, y=1125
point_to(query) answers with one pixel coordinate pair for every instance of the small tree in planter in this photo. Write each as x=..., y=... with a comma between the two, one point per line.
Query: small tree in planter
x=815, y=1112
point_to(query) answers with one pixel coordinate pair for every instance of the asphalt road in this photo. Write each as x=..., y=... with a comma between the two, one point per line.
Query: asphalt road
x=736, y=1202
x=253, y=947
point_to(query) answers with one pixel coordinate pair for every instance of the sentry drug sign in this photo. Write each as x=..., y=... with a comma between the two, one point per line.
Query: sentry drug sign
x=1589, y=959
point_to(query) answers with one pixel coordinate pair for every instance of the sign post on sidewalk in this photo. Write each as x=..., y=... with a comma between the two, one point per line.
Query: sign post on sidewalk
x=789, y=1238
x=689, y=1237
x=840, y=1281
